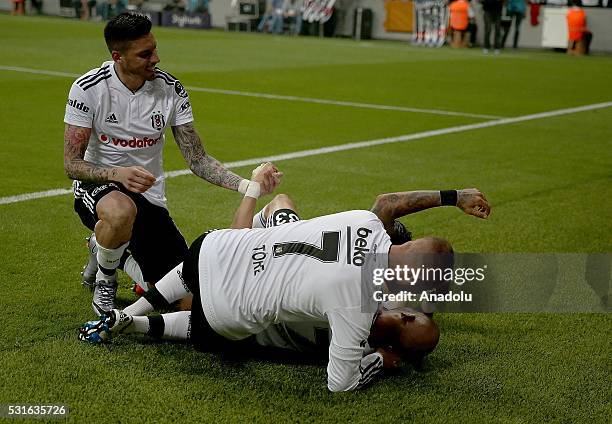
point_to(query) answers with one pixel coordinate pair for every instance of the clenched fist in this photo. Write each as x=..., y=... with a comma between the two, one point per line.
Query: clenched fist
x=473, y=202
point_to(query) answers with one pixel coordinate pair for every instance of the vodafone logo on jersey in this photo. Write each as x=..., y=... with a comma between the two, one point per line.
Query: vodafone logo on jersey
x=133, y=143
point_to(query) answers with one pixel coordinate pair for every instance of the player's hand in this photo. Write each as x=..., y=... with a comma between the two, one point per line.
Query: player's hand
x=473, y=202
x=391, y=360
x=268, y=176
x=135, y=178
x=274, y=179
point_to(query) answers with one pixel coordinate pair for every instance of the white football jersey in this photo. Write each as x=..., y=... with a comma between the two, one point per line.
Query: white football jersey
x=305, y=271
x=304, y=337
x=128, y=129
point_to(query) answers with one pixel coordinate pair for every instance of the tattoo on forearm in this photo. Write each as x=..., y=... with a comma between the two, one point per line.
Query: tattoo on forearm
x=394, y=205
x=200, y=163
x=76, y=167
x=413, y=201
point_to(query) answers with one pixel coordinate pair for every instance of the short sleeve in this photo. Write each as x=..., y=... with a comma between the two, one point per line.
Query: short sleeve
x=182, y=112
x=80, y=108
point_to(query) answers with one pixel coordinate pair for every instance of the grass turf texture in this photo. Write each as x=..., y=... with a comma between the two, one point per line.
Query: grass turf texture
x=548, y=181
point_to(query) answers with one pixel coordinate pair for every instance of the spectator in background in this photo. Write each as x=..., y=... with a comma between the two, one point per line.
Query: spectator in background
x=492, y=21
x=579, y=35
x=83, y=8
x=459, y=21
x=111, y=8
x=176, y=5
x=18, y=7
x=276, y=23
x=197, y=6
x=292, y=12
x=515, y=10
x=472, y=27
x=272, y=20
x=37, y=5
x=105, y=9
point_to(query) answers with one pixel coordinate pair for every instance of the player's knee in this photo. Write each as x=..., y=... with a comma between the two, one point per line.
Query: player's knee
x=117, y=209
x=281, y=201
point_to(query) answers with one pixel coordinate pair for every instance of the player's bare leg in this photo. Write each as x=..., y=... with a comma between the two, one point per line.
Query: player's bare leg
x=116, y=213
x=280, y=201
x=185, y=303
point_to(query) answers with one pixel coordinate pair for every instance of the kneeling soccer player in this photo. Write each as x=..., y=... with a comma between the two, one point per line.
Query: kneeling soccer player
x=245, y=280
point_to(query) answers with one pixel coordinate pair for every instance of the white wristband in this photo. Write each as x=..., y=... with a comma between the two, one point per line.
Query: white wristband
x=254, y=190
x=242, y=187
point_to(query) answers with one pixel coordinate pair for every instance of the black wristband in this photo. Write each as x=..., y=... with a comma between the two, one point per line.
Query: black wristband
x=448, y=197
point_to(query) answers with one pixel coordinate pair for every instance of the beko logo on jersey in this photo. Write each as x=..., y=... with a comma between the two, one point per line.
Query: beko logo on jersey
x=78, y=105
x=135, y=143
x=360, y=246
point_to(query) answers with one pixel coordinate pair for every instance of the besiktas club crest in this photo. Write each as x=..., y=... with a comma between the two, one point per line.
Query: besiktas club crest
x=158, y=121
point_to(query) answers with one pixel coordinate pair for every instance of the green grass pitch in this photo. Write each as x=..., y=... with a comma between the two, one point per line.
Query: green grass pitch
x=549, y=181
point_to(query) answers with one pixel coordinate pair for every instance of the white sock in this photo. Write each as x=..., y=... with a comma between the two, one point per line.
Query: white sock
x=132, y=269
x=139, y=308
x=177, y=325
x=172, y=286
x=167, y=290
x=260, y=220
x=108, y=260
x=139, y=325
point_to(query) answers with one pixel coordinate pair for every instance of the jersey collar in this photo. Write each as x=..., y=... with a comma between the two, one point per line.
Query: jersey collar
x=116, y=81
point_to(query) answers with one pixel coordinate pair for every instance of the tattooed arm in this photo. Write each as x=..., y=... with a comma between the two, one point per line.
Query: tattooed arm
x=75, y=144
x=134, y=178
x=389, y=207
x=201, y=163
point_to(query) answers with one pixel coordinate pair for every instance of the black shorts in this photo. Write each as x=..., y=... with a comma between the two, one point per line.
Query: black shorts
x=156, y=244
x=202, y=336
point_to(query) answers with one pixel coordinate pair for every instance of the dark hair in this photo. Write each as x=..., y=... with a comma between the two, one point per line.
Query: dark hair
x=125, y=27
x=400, y=234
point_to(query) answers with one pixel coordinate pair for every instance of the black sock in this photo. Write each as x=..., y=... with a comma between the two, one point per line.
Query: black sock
x=156, y=326
x=156, y=300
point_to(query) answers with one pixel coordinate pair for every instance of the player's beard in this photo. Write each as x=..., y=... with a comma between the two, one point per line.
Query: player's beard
x=149, y=73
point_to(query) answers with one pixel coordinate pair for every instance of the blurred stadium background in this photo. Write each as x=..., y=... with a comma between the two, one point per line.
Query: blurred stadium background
x=443, y=116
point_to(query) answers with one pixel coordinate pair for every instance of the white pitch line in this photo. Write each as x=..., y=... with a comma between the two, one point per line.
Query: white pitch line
x=281, y=97
x=344, y=147
x=31, y=196
x=38, y=71
x=343, y=103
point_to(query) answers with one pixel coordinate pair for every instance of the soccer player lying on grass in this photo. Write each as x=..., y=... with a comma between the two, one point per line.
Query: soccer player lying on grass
x=244, y=280
x=313, y=338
